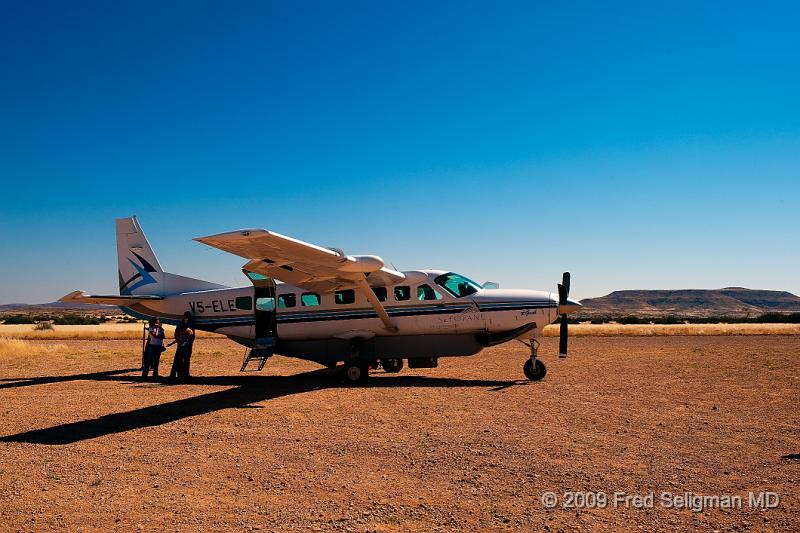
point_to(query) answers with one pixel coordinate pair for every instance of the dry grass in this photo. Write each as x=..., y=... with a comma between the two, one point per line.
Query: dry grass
x=654, y=330
x=134, y=331
x=78, y=332
x=17, y=347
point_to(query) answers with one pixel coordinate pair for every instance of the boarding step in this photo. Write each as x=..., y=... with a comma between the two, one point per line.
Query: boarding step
x=260, y=352
x=256, y=354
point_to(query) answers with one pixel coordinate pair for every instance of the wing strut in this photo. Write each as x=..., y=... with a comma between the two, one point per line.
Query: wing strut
x=366, y=290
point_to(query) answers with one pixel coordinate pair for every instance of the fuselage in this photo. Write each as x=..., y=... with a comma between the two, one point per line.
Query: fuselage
x=427, y=303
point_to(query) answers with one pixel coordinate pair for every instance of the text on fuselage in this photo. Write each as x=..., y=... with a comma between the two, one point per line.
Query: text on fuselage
x=214, y=306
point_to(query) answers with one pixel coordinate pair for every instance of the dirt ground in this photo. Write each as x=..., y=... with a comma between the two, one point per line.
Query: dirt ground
x=471, y=445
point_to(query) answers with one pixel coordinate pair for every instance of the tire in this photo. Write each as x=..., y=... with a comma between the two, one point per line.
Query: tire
x=392, y=365
x=534, y=374
x=356, y=372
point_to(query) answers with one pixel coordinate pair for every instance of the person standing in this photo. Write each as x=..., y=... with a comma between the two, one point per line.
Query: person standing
x=187, y=343
x=155, y=345
x=184, y=337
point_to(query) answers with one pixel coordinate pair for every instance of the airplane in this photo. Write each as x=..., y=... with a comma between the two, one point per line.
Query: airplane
x=322, y=305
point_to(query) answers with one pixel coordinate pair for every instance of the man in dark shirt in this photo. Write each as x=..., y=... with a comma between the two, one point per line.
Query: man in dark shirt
x=188, y=343
x=184, y=337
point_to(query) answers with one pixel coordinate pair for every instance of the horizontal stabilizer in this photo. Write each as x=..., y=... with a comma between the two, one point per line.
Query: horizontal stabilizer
x=110, y=299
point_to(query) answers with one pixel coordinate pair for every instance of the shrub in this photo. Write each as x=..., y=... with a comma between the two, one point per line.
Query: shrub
x=19, y=319
x=43, y=326
x=630, y=319
x=778, y=318
x=79, y=320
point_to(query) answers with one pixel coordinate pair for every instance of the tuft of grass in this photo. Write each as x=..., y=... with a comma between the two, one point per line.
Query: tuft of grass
x=392, y=520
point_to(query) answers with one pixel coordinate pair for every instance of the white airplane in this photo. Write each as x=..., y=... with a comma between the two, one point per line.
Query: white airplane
x=330, y=307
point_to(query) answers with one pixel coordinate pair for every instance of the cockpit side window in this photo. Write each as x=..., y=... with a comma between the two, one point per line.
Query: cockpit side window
x=426, y=292
x=402, y=293
x=457, y=285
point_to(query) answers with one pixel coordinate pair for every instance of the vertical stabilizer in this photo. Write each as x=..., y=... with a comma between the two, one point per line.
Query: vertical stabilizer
x=140, y=273
x=139, y=269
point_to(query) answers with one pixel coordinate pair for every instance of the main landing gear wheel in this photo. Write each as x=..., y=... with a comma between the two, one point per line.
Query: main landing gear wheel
x=534, y=373
x=356, y=372
x=392, y=365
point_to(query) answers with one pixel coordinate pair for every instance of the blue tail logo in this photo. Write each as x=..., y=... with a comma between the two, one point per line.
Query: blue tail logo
x=142, y=274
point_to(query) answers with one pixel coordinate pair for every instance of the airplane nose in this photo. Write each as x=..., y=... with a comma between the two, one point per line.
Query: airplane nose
x=570, y=307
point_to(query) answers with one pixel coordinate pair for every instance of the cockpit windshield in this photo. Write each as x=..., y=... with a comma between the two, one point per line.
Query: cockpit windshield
x=457, y=285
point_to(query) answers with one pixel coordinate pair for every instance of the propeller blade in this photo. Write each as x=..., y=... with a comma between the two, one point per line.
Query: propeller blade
x=562, y=294
x=562, y=341
x=565, y=281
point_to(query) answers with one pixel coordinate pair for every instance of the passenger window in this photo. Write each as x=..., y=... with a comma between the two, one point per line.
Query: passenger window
x=344, y=297
x=287, y=300
x=309, y=299
x=245, y=303
x=426, y=292
x=380, y=292
x=402, y=293
x=265, y=304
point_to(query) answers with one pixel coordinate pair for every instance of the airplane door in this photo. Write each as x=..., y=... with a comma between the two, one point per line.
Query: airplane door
x=265, y=332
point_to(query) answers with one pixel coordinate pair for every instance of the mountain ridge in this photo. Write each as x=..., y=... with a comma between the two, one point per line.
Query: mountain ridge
x=728, y=301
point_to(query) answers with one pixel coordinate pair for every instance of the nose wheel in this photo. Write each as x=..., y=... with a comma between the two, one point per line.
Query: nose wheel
x=534, y=369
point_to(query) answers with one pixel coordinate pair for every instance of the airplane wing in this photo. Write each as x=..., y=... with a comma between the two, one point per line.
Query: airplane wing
x=300, y=263
x=306, y=265
x=111, y=299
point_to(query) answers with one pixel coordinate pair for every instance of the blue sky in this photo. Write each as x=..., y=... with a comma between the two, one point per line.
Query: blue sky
x=636, y=145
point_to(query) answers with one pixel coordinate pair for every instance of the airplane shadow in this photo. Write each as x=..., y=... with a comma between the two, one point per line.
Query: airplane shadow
x=244, y=391
x=9, y=383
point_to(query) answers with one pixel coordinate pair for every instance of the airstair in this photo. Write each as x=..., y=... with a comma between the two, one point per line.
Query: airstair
x=260, y=353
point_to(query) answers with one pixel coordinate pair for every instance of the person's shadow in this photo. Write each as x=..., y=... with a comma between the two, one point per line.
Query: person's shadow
x=245, y=390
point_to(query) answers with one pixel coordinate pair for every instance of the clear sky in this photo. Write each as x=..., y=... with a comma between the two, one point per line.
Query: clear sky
x=638, y=145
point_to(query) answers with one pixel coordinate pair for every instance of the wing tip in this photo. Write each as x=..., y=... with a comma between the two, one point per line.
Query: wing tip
x=71, y=297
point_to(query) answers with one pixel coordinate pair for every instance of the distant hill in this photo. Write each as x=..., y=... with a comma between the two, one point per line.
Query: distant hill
x=730, y=301
x=52, y=306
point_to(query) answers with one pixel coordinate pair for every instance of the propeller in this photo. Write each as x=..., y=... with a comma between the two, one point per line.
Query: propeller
x=563, y=300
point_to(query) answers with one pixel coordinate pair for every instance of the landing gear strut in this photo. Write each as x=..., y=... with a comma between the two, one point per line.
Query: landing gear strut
x=356, y=369
x=534, y=368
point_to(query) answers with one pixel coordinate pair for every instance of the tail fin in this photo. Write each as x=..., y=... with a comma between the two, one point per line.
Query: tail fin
x=140, y=273
x=139, y=268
